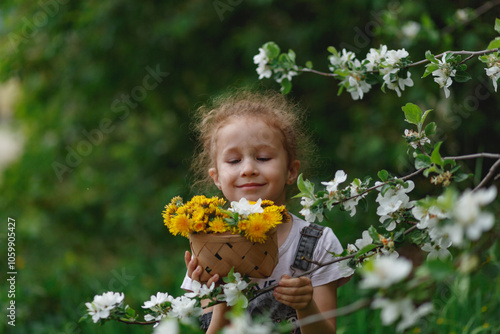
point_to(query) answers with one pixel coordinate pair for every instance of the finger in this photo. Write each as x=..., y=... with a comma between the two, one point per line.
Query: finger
x=196, y=274
x=192, y=266
x=213, y=279
x=187, y=258
x=294, y=282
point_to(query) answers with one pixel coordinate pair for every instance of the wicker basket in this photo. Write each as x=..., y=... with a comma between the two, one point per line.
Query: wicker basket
x=218, y=253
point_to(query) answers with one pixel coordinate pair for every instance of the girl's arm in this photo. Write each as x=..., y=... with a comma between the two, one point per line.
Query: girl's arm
x=299, y=294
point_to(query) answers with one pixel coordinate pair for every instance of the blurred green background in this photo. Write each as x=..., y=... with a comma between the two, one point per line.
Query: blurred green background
x=96, y=100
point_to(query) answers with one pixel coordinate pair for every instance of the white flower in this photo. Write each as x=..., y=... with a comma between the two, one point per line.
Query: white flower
x=443, y=75
x=351, y=248
x=357, y=86
x=200, y=290
x=394, y=57
x=393, y=200
x=468, y=219
x=242, y=324
x=375, y=57
x=364, y=241
x=416, y=135
x=232, y=291
x=102, y=305
x=384, y=271
x=331, y=186
x=410, y=29
x=243, y=208
x=404, y=308
x=400, y=83
x=350, y=205
x=184, y=307
x=157, y=300
x=286, y=74
x=167, y=326
x=262, y=69
x=428, y=218
x=438, y=250
x=342, y=60
x=309, y=216
x=494, y=74
x=149, y=317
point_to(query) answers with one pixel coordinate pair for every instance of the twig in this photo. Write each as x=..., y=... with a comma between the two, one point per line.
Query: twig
x=317, y=72
x=135, y=322
x=474, y=156
x=489, y=175
x=351, y=308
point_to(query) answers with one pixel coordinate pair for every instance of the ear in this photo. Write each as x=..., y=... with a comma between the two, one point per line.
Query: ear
x=293, y=171
x=215, y=176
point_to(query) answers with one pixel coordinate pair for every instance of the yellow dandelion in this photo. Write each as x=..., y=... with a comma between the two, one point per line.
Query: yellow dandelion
x=217, y=225
x=265, y=203
x=256, y=228
x=180, y=224
x=272, y=216
x=198, y=226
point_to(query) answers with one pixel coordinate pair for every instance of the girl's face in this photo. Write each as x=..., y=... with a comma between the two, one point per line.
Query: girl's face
x=251, y=162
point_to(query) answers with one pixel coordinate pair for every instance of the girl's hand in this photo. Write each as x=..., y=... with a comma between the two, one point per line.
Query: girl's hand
x=294, y=292
x=194, y=271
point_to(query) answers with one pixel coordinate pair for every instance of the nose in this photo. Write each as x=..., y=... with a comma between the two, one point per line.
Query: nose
x=249, y=168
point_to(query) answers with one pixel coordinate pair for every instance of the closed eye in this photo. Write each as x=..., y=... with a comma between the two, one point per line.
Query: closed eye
x=233, y=161
x=263, y=159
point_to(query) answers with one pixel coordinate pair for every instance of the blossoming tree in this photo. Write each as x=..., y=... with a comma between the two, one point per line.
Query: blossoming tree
x=451, y=228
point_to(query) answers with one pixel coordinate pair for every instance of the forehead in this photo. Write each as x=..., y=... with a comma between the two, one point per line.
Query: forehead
x=248, y=132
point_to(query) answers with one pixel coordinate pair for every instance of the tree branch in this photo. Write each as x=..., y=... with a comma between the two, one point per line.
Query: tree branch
x=488, y=176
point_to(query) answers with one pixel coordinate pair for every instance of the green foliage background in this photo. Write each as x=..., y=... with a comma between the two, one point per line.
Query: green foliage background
x=97, y=225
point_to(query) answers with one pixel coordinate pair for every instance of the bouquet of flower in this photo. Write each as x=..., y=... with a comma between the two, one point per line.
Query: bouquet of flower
x=242, y=237
x=253, y=220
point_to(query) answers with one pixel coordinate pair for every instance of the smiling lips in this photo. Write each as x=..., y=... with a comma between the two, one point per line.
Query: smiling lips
x=250, y=185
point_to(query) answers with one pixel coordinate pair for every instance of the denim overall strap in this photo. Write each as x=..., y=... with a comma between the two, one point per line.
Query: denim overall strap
x=309, y=236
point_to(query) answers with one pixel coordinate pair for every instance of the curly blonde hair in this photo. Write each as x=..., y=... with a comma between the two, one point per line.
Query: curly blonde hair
x=270, y=107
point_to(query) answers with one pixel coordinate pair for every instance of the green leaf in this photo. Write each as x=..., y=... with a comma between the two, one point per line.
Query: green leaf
x=383, y=175
x=413, y=113
x=436, y=156
x=430, y=57
x=430, y=129
x=494, y=44
x=130, y=311
x=497, y=25
x=305, y=186
x=460, y=177
x=450, y=162
x=462, y=76
x=429, y=170
x=309, y=64
x=286, y=86
x=291, y=55
x=424, y=115
x=332, y=50
x=422, y=161
x=373, y=233
x=365, y=249
x=429, y=68
x=272, y=49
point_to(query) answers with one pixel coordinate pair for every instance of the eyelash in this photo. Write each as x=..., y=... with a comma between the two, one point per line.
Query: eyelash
x=235, y=161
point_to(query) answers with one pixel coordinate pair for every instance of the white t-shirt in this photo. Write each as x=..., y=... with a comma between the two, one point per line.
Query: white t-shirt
x=327, y=244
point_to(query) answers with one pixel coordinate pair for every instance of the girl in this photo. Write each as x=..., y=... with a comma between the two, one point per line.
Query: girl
x=249, y=148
